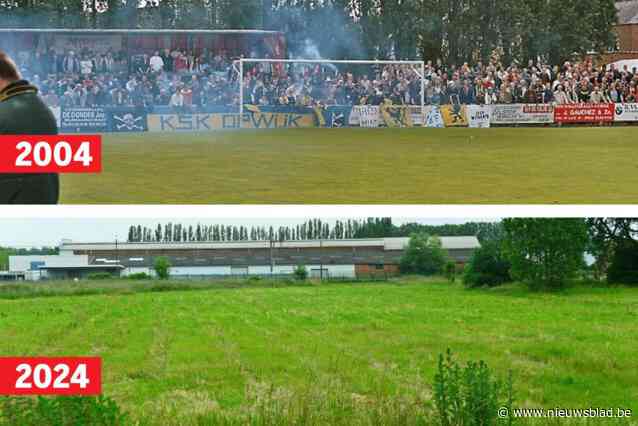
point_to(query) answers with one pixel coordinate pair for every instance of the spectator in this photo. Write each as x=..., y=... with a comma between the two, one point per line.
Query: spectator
x=156, y=63
x=70, y=64
x=177, y=101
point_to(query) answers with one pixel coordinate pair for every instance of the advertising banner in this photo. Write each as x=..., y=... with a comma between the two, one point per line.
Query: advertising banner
x=417, y=115
x=336, y=116
x=479, y=116
x=83, y=120
x=522, y=114
x=454, y=115
x=396, y=116
x=365, y=115
x=95, y=43
x=127, y=120
x=433, y=117
x=626, y=112
x=584, y=113
x=210, y=122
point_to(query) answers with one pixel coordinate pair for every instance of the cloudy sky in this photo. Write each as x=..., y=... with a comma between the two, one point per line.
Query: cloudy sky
x=49, y=232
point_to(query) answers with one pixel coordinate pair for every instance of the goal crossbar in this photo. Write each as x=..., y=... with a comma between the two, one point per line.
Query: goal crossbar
x=418, y=68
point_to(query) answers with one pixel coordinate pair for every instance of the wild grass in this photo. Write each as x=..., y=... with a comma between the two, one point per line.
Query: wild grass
x=355, y=353
x=365, y=166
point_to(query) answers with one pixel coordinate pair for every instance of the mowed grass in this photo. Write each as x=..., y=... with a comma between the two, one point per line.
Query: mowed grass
x=219, y=350
x=361, y=166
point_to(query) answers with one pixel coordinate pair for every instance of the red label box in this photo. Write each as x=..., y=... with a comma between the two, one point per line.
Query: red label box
x=584, y=113
x=51, y=154
x=79, y=376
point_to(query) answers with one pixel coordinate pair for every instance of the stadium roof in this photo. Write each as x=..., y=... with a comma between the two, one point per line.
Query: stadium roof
x=627, y=12
x=450, y=243
x=132, y=31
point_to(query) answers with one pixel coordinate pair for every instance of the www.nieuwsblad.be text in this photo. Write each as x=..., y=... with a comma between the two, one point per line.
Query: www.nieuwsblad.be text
x=558, y=412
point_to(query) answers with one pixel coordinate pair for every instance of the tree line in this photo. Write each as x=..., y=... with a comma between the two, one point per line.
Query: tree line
x=455, y=31
x=313, y=229
x=550, y=253
x=5, y=252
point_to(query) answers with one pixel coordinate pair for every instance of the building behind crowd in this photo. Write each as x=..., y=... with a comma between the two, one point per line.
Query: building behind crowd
x=322, y=259
x=627, y=28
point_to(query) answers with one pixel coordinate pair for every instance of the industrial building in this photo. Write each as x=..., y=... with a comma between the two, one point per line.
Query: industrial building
x=325, y=258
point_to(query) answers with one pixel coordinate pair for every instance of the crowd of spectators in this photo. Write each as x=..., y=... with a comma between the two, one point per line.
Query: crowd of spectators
x=175, y=78
x=534, y=82
x=184, y=80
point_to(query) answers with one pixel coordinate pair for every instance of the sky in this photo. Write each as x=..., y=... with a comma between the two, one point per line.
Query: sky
x=25, y=233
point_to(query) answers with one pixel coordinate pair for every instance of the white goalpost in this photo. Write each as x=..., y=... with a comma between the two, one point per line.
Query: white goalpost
x=417, y=66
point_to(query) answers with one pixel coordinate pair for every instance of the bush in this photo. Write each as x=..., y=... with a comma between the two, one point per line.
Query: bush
x=300, y=273
x=545, y=253
x=487, y=267
x=99, y=276
x=139, y=276
x=424, y=255
x=162, y=268
x=470, y=395
x=624, y=264
x=62, y=411
x=450, y=271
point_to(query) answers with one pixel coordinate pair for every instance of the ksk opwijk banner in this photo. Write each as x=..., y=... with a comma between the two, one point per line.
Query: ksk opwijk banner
x=584, y=113
x=211, y=122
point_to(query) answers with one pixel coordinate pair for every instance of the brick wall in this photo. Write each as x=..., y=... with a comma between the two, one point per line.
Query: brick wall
x=365, y=270
x=627, y=38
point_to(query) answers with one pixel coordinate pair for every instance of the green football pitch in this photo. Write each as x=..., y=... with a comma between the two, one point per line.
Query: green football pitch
x=171, y=355
x=365, y=166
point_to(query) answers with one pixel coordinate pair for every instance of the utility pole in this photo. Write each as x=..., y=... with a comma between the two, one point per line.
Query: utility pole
x=272, y=258
x=117, y=257
x=321, y=259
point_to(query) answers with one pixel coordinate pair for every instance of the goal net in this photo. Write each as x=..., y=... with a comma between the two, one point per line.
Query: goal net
x=389, y=86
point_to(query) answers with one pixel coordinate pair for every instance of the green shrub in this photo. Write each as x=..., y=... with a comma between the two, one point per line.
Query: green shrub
x=162, y=267
x=61, y=411
x=624, y=264
x=487, y=267
x=450, y=271
x=424, y=255
x=469, y=395
x=300, y=273
x=139, y=276
x=99, y=276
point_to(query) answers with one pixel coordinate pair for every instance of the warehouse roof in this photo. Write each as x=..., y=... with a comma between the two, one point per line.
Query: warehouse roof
x=75, y=267
x=450, y=243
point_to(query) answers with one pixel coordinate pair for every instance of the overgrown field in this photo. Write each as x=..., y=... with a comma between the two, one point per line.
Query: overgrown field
x=346, y=166
x=172, y=356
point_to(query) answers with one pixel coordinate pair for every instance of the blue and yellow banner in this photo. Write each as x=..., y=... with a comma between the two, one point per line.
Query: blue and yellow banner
x=396, y=115
x=211, y=122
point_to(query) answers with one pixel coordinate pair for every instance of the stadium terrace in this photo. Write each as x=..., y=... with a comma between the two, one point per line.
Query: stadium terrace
x=358, y=258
